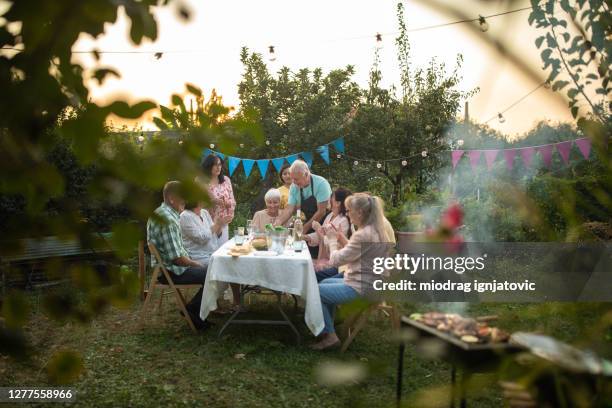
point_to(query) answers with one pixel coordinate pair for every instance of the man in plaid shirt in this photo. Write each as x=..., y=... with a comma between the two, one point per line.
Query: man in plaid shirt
x=164, y=231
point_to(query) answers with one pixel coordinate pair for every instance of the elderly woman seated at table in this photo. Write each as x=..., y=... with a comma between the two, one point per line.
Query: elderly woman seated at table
x=366, y=213
x=271, y=213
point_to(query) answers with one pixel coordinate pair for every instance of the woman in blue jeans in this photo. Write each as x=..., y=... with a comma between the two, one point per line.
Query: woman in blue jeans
x=366, y=213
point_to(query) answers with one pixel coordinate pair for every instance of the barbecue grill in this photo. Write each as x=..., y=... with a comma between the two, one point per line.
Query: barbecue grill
x=465, y=358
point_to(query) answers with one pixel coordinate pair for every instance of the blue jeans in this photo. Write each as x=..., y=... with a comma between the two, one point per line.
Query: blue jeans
x=334, y=292
x=328, y=273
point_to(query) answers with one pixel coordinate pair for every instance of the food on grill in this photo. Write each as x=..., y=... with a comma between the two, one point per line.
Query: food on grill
x=470, y=339
x=466, y=329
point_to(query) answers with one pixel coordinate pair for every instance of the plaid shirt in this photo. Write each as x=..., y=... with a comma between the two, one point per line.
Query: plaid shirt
x=164, y=231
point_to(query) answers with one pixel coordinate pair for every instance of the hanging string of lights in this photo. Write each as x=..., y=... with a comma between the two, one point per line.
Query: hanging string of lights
x=158, y=54
x=500, y=115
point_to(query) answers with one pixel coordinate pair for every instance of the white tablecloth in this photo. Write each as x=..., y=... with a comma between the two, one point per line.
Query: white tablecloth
x=292, y=272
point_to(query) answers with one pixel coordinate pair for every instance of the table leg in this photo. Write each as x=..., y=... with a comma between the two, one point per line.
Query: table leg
x=289, y=322
x=462, y=384
x=233, y=316
x=453, y=385
x=400, y=374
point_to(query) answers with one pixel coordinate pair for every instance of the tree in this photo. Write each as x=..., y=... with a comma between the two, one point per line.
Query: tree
x=577, y=54
x=45, y=111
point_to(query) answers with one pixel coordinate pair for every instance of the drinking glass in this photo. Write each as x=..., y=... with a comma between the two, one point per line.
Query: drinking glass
x=238, y=237
x=250, y=228
x=240, y=231
x=289, y=236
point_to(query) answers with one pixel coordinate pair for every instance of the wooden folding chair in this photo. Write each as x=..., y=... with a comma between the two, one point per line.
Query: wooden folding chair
x=176, y=289
x=357, y=321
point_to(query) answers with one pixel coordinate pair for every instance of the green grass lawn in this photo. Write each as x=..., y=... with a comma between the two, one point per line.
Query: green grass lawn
x=165, y=364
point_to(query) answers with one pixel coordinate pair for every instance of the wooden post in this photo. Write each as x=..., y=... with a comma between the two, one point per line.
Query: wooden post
x=466, y=118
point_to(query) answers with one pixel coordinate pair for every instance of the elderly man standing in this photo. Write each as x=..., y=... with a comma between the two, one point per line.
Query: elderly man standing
x=164, y=231
x=308, y=192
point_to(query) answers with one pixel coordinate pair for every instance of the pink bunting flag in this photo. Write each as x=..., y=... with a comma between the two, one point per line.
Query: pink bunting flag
x=490, y=156
x=584, y=145
x=474, y=158
x=546, y=152
x=509, y=155
x=564, y=150
x=527, y=155
x=456, y=156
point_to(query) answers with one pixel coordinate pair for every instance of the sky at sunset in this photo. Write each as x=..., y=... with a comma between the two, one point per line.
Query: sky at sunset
x=329, y=34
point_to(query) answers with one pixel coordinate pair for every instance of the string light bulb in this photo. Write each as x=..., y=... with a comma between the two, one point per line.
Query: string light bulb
x=212, y=145
x=404, y=163
x=379, y=43
x=424, y=153
x=355, y=162
x=271, y=54
x=241, y=145
x=141, y=138
x=267, y=143
x=501, y=118
x=460, y=142
x=338, y=156
x=378, y=165
x=180, y=142
x=484, y=26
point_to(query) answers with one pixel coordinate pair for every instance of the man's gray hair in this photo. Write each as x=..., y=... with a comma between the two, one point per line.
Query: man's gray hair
x=272, y=194
x=299, y=166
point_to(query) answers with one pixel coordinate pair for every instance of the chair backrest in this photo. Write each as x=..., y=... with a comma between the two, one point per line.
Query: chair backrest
x=159, y=266
x=153, y=250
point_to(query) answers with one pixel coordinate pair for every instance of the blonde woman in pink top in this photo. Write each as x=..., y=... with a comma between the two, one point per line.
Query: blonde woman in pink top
x=220, y=192
x=366, y=213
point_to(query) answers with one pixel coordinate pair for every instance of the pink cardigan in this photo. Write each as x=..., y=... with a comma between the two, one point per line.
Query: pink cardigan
x=352, y=254
x=342, y=225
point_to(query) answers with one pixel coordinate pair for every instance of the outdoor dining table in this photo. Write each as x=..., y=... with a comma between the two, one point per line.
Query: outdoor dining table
x=290, y=272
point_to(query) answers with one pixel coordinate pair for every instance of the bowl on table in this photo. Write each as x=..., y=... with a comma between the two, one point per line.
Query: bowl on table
x=260, y=241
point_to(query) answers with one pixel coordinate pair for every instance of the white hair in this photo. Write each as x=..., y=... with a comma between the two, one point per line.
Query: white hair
x=272, y=194
x=299, y=166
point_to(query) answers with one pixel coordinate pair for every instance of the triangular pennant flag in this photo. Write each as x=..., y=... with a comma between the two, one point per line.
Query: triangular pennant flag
x=584, y=145
x=490, y=156
x=474, y=156
x=509, y=156
x=339, y=144
x=307, y=156
x=564, y=149
x=456, y=156
x=263, y=167
x=278, y=163
x=324, y=152
x=292, y=158
x=220, y=155
x=233, y=163
x=527, y=155
x=546, y=152
x=247, y=165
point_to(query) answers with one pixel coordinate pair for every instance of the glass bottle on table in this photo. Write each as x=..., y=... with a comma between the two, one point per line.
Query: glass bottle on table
x=298, y=227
